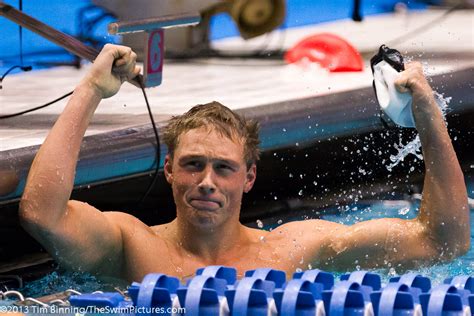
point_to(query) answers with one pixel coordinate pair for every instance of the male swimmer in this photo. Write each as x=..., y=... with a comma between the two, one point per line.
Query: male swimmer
x=210, y=165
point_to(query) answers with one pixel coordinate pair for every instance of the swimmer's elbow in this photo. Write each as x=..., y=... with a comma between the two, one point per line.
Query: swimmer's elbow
x=456, y=246
x=465, y=248
x=463, y=245
x=33, y=219
x=26, y=213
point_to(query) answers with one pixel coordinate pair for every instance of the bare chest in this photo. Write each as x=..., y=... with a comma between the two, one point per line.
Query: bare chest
x=157, y=256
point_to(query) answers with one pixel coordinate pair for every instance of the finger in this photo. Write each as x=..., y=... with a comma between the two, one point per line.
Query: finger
x=129, y=75
x=135, y=72
x=112, y=55
x=105, y=59
x=413, y=65
x=402, y=83
x=120, y=51
x=126, y=64
x=119, y=62
x=125, y=57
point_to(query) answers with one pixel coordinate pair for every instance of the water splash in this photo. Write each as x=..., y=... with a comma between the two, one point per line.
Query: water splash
x=414, y=146
x=59, y=281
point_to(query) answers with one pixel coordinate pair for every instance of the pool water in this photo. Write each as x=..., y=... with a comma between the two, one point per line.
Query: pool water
x=60, y=281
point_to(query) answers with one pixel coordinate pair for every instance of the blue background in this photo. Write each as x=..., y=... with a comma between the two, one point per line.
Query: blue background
x=63, y=15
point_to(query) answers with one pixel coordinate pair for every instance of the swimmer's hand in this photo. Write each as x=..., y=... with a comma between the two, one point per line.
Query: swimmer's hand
x=114, y=65
x=413, y=80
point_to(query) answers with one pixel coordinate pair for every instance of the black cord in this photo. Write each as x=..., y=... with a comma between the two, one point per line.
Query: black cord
x=21, y=66
x=158, y=153
x=20, y=31
x=24, y=68
x=356, y=15
x=155, y=130
x=35, y=108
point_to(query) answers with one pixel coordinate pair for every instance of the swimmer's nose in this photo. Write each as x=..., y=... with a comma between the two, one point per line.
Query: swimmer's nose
x=207, y=185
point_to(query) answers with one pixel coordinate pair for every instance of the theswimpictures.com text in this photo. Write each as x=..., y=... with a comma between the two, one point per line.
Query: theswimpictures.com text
x=74, y=310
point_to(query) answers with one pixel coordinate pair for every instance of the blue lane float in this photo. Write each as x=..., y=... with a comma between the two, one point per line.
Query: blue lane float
x=300, y=297
x=251, y=296
x=396, y=299
x=215, y=290
x=414, y=280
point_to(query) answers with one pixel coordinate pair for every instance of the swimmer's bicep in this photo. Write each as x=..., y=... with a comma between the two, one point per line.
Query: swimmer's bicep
x=85, y=238
x=378, y=243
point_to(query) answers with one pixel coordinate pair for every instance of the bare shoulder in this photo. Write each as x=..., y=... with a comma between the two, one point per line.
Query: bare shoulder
x=311, y=234
x=306, y=227
x=128, y=223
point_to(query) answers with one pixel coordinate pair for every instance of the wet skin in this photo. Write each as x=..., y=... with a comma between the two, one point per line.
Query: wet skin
x=208, y=176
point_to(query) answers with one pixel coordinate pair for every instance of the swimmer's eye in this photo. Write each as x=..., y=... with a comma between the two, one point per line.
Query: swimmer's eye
x=224, y=167
x=194, y=164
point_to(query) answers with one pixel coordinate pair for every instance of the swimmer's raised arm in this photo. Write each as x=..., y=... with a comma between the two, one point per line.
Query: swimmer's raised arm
x=75, y=233
x=440, y=232
x=444, y=209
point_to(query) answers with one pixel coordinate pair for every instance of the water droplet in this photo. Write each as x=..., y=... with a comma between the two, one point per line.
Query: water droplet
x=403, y=211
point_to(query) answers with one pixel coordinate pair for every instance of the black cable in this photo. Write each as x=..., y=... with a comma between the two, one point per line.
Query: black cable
x=21, y=66
x=356, y=15
x=35, y=108
x=155, y=130
x=24, y=68
x=21, y=36
x=158, y=153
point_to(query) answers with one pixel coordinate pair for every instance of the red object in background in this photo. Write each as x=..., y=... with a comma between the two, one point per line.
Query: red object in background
x=331, y=51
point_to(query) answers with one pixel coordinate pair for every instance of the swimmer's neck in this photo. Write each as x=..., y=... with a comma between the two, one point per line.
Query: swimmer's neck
x=209, y=244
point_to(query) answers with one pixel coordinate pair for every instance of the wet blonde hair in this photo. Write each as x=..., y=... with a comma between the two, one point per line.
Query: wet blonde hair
x=220, y=118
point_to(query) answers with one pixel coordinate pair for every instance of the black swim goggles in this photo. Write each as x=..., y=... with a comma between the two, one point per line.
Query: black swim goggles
x=395, y=59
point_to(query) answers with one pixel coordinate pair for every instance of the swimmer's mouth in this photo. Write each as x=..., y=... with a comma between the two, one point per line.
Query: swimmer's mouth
x=205, y=204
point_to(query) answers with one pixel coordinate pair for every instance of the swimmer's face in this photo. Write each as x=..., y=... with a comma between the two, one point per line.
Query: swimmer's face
x=208, y=175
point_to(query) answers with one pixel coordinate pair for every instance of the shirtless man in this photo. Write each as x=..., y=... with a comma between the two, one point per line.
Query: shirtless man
x=211, y=163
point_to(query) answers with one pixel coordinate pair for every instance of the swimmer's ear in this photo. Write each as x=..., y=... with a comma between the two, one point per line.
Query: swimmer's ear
x=168, y=169
x=251, y=176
